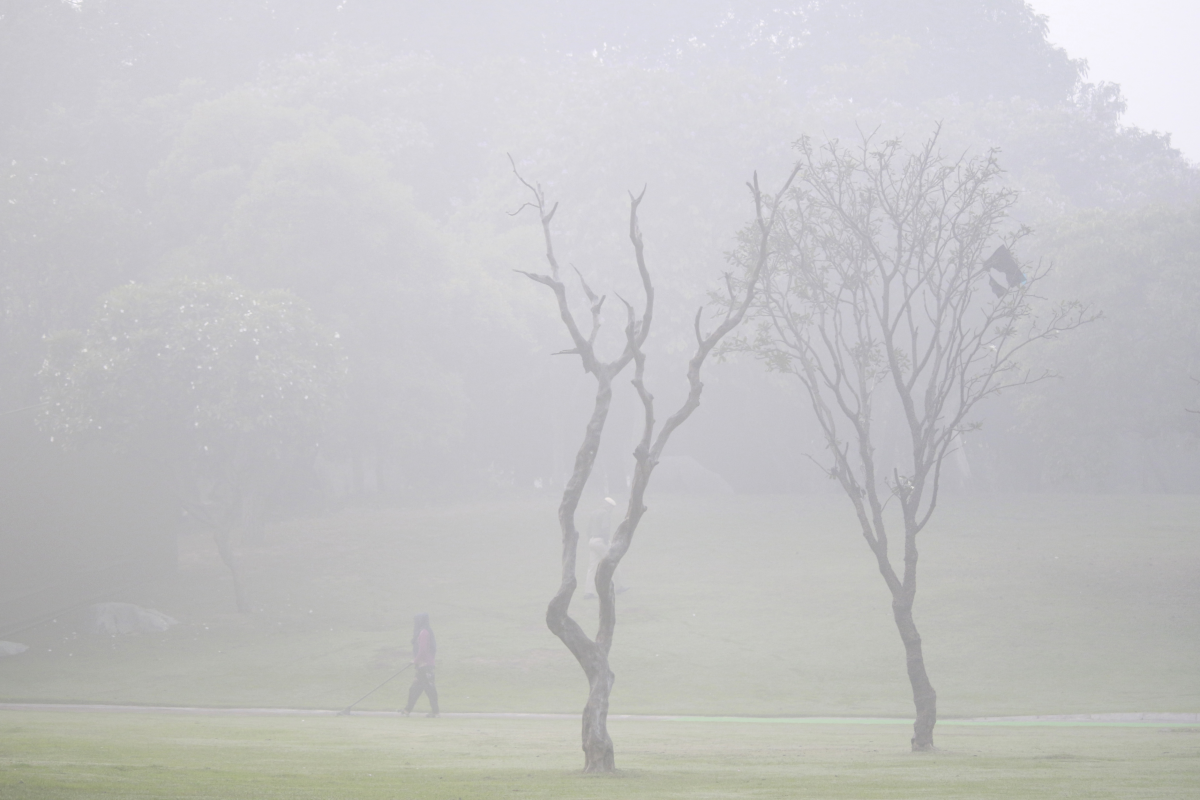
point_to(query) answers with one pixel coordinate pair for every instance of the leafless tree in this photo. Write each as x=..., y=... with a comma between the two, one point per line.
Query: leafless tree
x=878, y=297
x=592, y=654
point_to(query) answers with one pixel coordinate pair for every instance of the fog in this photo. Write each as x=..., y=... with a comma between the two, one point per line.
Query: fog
x=271, y=374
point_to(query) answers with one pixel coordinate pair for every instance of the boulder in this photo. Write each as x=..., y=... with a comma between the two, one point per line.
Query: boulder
x=125, y=618
x=12, y=649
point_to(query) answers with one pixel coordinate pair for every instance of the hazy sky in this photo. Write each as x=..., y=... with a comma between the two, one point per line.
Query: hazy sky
x=1150, y=47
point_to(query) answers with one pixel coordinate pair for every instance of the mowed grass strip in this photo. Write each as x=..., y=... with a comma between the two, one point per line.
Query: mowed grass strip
x=101, y=755
x=736, y=606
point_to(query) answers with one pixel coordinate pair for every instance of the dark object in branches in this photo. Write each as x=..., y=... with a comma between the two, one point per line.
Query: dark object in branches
x=592, y=654
x=1003, y=262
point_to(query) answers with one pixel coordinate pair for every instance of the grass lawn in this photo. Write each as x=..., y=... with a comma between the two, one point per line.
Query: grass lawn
x=101, y=755
x=737, y=605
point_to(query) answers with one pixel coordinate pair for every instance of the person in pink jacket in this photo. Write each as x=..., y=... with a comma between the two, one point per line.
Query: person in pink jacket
x=424, y=650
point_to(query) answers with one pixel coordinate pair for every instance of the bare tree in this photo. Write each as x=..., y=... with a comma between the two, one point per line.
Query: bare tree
x=592, y=654
x=878, y=298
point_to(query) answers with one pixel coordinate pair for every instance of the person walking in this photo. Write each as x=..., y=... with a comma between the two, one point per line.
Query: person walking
x=424, y=650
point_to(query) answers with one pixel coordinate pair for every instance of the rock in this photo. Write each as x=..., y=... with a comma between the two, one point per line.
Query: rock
x=123, y=618
x=12, y=649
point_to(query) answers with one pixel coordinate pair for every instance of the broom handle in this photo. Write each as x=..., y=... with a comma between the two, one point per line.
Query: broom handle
x=376, y=689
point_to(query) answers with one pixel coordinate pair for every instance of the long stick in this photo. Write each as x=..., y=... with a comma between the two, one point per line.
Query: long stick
x=346, y=710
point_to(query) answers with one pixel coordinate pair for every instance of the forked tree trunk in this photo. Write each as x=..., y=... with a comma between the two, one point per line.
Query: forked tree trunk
x=593, y=658
x=592, y=654
x=924, y=697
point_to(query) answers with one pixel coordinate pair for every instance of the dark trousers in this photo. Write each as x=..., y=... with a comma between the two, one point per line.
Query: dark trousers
x=423, y=683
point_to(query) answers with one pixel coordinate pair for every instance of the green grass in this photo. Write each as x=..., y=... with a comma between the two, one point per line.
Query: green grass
x=737, y=606
x=109, y=755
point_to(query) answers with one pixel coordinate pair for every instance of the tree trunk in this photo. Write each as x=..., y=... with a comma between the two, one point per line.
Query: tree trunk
x=357, y=477
x=593, y=658
x=254, y=517
x=223, y=537
x=592, y=654
x=924, y=697
x=597, y=746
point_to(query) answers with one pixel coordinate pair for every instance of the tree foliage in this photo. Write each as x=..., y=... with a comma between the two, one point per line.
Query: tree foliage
x=220, y=388
x=196, y=369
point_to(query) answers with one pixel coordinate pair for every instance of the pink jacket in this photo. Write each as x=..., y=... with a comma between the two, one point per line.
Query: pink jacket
x=424, y=655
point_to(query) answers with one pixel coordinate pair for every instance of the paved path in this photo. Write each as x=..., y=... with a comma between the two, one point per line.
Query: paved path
x=1136, y=719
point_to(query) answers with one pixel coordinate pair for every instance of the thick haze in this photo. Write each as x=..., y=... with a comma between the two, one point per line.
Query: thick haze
x=259, y=261
x=355, y=155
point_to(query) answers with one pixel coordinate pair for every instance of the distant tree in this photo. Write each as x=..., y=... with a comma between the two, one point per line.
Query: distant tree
x=887, y=297
x=919, y=49
x=281, y=195
x=592, y=654
x=1115, y=423
x=61, y=247
x=214, y=384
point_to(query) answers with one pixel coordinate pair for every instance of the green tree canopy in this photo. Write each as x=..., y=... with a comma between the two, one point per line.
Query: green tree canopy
x=195, y=369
